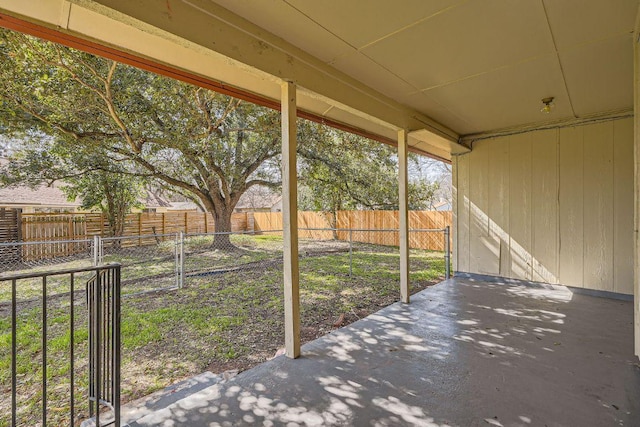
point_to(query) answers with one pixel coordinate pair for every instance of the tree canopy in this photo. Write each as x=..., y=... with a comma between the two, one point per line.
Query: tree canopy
x=342, y=171
x=97, y=124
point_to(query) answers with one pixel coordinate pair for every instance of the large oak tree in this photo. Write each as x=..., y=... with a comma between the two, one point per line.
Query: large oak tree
x=87, y=120
x=207, y=146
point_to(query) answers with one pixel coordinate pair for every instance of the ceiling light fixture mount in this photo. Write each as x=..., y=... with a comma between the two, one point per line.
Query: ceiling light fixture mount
x=548, y=104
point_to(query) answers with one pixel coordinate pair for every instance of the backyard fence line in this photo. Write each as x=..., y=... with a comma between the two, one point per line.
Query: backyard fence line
x=336, y=226
x=64, y=235
x=308, y=247
x=80, y=226
x=446, y=241
x=169, y=262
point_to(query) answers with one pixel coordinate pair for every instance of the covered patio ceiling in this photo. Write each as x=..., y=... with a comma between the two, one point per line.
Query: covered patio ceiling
x=471, y=66
x=444, y=70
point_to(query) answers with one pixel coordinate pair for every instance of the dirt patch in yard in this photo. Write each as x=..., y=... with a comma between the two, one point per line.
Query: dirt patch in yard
x=325, y=318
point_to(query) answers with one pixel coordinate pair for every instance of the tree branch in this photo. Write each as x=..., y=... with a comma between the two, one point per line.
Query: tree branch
x=112, y=109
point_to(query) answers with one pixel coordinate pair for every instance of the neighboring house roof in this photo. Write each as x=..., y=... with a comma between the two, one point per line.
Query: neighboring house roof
x=442, y=205
x=54, y=197
x=183, y=206
x=259, y=197
x=154, y=201
x=39, y=196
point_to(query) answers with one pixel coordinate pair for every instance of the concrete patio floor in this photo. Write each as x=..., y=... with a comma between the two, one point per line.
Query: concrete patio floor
x=465, y=352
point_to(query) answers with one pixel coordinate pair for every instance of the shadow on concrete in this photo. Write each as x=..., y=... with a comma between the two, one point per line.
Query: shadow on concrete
x=464, y=353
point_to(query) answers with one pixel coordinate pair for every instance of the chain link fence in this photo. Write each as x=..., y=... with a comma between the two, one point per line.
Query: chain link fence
x=18, y=256
x=168, y=261
x=354, y=250
x=33, y=257
x=361, y=243
x=149, y=262
x=207, y=254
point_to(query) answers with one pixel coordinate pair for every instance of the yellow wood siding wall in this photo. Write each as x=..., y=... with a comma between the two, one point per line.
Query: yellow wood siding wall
x=552, y=206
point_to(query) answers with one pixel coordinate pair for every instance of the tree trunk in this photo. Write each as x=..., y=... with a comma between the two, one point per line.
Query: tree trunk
x=222, y=222
x=334, y=222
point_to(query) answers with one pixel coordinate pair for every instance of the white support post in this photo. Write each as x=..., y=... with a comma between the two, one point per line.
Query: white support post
x=403, y=184
x=290, y=222
x=636, y=186
x=96, y=251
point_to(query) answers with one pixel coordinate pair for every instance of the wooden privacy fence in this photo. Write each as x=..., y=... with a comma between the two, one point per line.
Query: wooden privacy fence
x=64, y=232
x=80, y=226
x=68, y=234
x=369, y=220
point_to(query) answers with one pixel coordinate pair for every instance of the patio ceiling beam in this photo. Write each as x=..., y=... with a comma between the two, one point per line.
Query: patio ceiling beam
x=208, y=26
x=213, y=27
x=290, y=222
x=403, y=192
x=82, y=28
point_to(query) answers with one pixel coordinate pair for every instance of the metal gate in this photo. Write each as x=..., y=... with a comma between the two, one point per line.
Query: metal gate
x=103, y=301
x=10, y=232
x=103, y=309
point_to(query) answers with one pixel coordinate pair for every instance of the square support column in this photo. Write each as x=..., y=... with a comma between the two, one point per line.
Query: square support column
x=403, y=184
x=290, y=222
x=636, y=186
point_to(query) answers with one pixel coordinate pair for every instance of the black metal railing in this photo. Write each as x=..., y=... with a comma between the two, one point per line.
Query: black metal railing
x=103, y=303
x=103, y=299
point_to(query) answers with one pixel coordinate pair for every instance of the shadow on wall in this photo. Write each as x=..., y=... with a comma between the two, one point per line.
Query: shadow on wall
x=550, y=205
x=493, y=251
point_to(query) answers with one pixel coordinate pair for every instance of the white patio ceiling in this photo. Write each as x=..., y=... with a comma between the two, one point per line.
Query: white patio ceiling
x=440, y=68
x=474, y=66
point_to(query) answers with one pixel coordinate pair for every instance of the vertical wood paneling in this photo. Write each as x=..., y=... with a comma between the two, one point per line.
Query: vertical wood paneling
x=499, y=201
x=559, y=206
x=544, y=194
x=485, y=249
x=571, y=204
x=623, y=206
x=463, y=212
x=598, y=203
x=520, y=205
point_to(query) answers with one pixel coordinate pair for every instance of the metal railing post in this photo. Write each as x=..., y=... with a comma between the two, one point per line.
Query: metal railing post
x=181, y=283
x=14, y=353
x=97, y=341
x=95, y=250
x=447, y=253
x=176, y=262
x=117, y=344
x=350, y=252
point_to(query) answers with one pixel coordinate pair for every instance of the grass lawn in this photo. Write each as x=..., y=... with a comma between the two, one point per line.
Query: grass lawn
x=217, y=322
